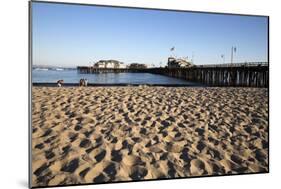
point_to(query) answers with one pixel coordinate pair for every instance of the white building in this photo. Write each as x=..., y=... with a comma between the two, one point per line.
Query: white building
x=122, y=65
x=100, y=65
x=178, y=63
x=109, y=64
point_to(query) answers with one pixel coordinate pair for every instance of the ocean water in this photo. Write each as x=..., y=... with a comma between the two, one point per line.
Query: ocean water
x=72, y=76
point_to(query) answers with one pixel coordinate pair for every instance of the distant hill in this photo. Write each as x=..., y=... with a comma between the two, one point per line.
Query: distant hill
x=47, y=67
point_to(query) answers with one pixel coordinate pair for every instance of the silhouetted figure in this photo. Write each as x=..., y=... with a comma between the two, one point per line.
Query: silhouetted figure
x=86, y=82
x=60, y=82
x=83, y=82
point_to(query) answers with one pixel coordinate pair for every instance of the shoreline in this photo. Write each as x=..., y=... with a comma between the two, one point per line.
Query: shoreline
x=47, y=84
x=197, y=85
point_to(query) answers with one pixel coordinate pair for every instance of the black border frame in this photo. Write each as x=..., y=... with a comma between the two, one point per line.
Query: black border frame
x=30, y=61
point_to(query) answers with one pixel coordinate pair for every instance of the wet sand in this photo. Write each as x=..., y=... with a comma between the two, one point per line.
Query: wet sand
x=107, y=134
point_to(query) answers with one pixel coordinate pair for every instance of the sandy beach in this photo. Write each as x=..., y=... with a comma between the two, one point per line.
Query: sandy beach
x=108, y=134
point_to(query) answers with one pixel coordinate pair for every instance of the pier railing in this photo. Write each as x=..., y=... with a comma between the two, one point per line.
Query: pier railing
x=242, y=64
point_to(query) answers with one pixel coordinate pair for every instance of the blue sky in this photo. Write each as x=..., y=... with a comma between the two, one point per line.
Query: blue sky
x=72, y=35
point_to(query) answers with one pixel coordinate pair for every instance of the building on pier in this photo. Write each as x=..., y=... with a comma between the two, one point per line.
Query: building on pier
x=137, y=66
x=179, y=63
x=113, y=64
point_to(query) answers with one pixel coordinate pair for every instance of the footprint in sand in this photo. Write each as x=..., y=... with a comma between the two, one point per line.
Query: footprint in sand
x=110, y=170
x=71, y=166
x=39, y=146
x=84, y=172
x=41, y=169
x=116, y=155
x=132, y=160
x=138, y=173
x=85, y=143
x=171, y=171
x=200, y=146
x=197, y=167
x=100, y=156
x=101, y=178
x=49, y=154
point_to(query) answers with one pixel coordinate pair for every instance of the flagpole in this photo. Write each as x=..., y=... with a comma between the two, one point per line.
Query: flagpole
x=233, y=50
x=192, y=57
x=172, y=49
x=223, y=58
x=231, y=61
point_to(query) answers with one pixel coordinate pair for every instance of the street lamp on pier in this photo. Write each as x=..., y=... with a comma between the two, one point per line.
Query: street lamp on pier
x=233, y=50
x=223, y=58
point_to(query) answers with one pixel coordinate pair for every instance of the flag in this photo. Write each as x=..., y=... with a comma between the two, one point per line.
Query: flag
x=234, y=49
x=172, y=49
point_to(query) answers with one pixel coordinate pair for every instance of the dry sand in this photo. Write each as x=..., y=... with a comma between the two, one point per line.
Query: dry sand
x=108, y=134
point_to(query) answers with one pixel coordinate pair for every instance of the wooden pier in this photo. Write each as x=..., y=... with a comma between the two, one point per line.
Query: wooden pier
x=239, y=74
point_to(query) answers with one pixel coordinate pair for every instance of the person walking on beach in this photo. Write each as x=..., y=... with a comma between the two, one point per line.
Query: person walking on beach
x=83, y=82
x=59, y=83
x=86, y=82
